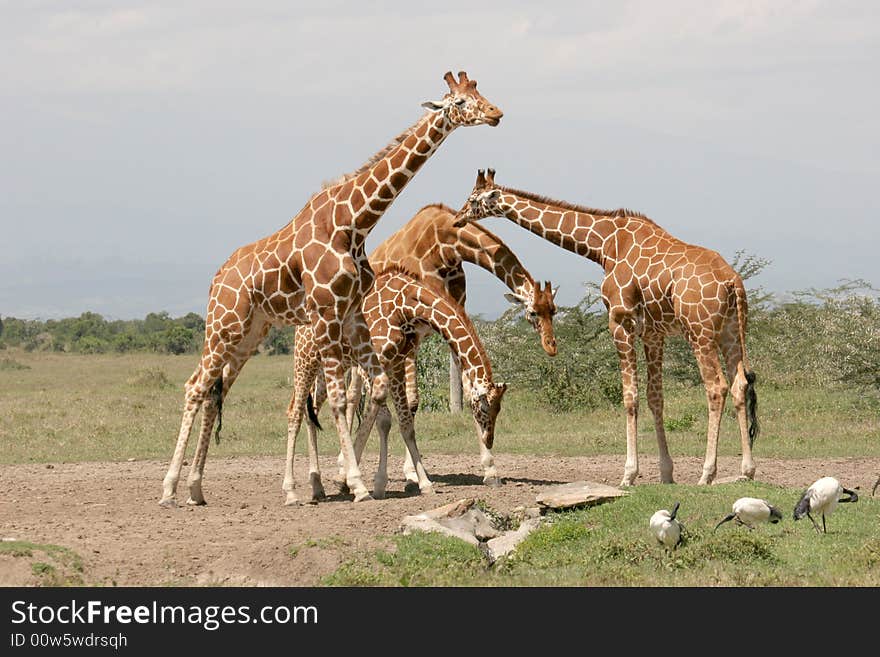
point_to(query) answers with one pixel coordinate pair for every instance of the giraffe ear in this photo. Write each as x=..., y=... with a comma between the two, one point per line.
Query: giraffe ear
x=555, y=290
x=513, y=298
x=434, y=105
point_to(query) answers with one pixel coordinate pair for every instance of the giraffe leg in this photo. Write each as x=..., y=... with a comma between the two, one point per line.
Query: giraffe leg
x=412, y=400
x=197, y=389
x=306, y=366
x=716, y=394
x=255, y=332
x=363, y=354
x=653, y=344
x=383, y=426
x=490, y=474
x=730, y=348
x=319, y=396
x=407, y=429
x=624, y=341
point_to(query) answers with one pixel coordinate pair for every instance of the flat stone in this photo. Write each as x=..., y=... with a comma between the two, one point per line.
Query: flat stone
x=473, y=522
x=506, y=543
x=729, y=480
x=578, y=493
x=422, y=523
x=451, y=510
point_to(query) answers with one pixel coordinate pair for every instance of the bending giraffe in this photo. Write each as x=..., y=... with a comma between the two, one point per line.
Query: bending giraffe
x=431, y=249
x=655, y=285
x=313, y=271
x=397, y=309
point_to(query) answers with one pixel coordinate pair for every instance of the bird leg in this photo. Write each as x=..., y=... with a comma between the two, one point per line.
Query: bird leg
x=815, y=524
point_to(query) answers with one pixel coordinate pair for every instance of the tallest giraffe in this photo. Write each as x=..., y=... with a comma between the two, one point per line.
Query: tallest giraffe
x=313, y=271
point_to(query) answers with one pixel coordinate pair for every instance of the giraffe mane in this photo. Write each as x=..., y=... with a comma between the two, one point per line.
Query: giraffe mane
x=619, y=212
x=376, y=157
x=460, y=312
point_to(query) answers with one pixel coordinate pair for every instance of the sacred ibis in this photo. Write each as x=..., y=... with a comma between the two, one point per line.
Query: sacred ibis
x=667, y=530
x=749, y=511
x=822, y=497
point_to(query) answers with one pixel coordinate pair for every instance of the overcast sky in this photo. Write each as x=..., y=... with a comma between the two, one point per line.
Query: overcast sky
x=142, y=142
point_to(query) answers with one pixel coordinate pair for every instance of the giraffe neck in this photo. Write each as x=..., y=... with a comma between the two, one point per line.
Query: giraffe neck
x=362, y=200
x=450, y=320
x=480, y=247
x=580, y=232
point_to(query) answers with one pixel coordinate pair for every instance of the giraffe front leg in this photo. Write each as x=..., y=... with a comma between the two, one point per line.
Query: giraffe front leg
x=624, y=341
x=397, y=387
x=490, y=474
x=654, y=358
x=197, y=389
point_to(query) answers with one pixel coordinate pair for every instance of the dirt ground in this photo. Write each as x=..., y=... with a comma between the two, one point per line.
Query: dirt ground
x=108, y=513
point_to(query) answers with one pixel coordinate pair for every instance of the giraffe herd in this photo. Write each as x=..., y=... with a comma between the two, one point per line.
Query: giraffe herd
x=368, y=315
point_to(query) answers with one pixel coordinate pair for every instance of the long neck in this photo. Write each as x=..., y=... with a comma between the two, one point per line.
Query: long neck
x=580, y=232
x=453, y=324
x=362, y=200
x=478, y=246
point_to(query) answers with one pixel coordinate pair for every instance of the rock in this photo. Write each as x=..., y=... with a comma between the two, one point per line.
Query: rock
x=506, y=543
x=131, y=460
x=451, y=510
x=424, y=524
x=578, y=493
x=729, y=480
x=473, y=522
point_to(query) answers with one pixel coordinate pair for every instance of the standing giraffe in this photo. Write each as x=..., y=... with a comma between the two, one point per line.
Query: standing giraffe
x=655, y=285
x=396, y=310
x=313, y=271
x=434, y=251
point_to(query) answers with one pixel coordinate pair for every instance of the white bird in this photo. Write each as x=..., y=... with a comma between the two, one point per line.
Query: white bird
x=667, y=530
x=749, y=511
x=822, y=497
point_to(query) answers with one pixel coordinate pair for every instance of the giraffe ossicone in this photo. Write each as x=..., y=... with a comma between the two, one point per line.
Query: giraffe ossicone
x=655, y=285
x=313, y=271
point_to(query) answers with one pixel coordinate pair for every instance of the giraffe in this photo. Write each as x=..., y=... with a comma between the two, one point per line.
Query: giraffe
x=431, y=249
x=655, y=285
x=313, y=271
x=397, y=307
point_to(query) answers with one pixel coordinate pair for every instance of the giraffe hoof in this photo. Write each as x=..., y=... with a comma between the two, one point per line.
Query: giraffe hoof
x=168, y=503
x=705, y=480
x=428, y=490
x=412, y=487
x=199, y=502
x=494, y=482
x=378, y=494
x=291, y=500
x=363, y=497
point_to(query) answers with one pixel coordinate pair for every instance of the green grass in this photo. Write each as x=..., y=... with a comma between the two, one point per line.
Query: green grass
x=63, y=567
x=611, y=545
x=129, y=406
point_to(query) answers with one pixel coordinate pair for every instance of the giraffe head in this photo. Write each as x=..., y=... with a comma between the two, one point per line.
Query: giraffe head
x=540, y=310
x=485, y=405
x=464, y=105
x=483, y=201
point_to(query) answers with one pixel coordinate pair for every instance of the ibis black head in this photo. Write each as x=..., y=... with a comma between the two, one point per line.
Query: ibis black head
x=803, y=506
x=674, y=510
x=775, y=514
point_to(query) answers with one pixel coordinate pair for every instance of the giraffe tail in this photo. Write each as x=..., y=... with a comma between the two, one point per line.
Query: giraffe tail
x=310, y=411
x=742, y=309
x=217, y=398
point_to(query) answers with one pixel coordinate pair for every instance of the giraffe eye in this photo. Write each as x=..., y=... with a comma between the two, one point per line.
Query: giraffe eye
x=460, y=102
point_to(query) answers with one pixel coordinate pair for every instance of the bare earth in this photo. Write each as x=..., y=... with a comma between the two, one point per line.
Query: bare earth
x=109, y=514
